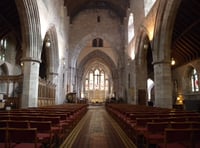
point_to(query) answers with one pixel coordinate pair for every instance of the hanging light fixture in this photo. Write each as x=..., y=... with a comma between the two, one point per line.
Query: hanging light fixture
x=48, y=43
x=173, y=62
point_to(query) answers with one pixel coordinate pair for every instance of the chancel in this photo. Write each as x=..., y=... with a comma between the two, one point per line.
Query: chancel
x=99, y=73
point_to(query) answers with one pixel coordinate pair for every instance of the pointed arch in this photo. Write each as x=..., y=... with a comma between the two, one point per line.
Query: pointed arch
x=52, y=51
x=97, y=55
x=165, y=18
x=30, y=26
x=83, y=43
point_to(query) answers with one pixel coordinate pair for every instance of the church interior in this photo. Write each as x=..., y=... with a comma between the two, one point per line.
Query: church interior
x=99, y=73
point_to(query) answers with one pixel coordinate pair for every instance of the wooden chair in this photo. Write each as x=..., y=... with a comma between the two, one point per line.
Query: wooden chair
x=180, y=125
x=17, y=124
x=3, y=123
x=23, y=138
x=196, y=138
x=3, y=138
x=44, y=132
x=139, y=129
x=196, y=125
x=177, y=138
x=155, y=133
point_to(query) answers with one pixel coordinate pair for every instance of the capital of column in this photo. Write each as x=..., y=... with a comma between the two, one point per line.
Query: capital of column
x=53, y=73
x=30, y=59
x=161, y=62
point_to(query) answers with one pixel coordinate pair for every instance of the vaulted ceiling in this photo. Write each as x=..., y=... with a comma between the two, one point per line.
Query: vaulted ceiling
x=186, y=30
x=117, y=6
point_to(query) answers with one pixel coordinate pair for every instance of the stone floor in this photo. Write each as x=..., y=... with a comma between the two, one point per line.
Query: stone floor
x=97, y=130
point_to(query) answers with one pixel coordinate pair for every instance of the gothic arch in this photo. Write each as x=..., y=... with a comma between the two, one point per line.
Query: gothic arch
x=83, y=43
x=4, y=69
x=30, y=26
x=142, y=44
x=52, y=51
x=100, y=56
x=165, y=18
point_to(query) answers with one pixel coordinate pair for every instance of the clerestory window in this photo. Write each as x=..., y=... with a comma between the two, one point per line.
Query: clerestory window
x=194, y=80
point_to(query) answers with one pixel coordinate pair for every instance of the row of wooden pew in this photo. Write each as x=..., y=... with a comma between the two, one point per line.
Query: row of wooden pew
x=47, y=126
x=155, y=127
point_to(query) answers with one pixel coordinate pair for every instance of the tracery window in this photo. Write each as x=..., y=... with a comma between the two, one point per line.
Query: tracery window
x=194, y=81
x=97, y=79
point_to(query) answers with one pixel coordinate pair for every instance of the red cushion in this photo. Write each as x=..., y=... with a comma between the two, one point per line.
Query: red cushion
x=172, y=145
x=42, y=136
x=155, y=138
x=27, y=145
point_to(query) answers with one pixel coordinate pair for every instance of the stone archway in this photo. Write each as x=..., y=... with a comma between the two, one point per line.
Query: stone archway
x=31, y=47
x=161, y=45
x=51, y=51
x=82, y=44
x=101, y=58
x=143, y=65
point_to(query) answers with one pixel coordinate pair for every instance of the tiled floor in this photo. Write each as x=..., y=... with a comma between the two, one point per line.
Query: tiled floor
x=97, y=130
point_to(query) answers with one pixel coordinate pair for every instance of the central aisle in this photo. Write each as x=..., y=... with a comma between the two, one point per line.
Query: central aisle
x=97, y=130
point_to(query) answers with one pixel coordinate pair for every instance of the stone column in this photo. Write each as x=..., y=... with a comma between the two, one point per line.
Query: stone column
x=53, y=77
x=163, y=84
x=30, y=83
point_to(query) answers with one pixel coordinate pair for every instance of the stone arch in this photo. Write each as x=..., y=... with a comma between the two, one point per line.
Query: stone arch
x=52, y=51
x=83, y=43
x=101, y=56
x=142, y=44
x=30, y=26
x=143, y=65
x=31, y=50
x=161, y=45
x=165, y=18
x=4, y=69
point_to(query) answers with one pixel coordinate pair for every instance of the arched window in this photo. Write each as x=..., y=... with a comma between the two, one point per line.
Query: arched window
x=130, y=27
x=3, y=45
x=97, y=79
x=148, y=4
x=98, y=42
x=150, y=85
x=194, y=80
